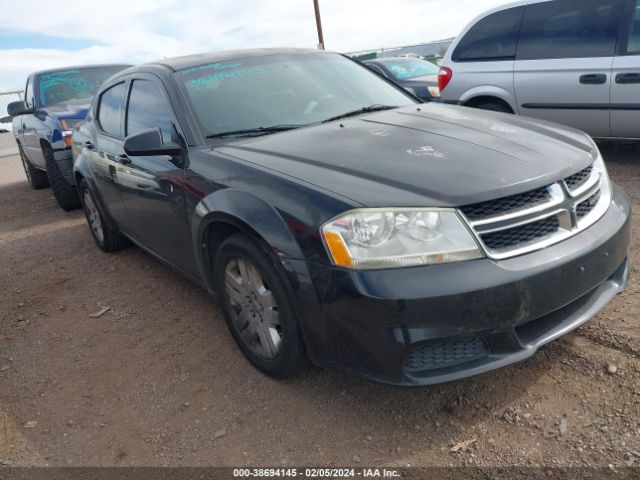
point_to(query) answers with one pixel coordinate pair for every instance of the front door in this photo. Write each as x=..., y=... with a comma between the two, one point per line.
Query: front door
x=153, y=187
x=563, y=67
x=625, y=91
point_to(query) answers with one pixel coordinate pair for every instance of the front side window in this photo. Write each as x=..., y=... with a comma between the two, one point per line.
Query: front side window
x=633, y=45
x=148, y=108
x=28, y=94
x=110, y=110
x=495, y=37
x=287, y=89
x=78, y=84
x=406, y=69
x=569, y=29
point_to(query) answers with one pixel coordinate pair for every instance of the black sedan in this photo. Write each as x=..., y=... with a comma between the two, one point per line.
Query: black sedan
x=418, y=76
x=334, y=216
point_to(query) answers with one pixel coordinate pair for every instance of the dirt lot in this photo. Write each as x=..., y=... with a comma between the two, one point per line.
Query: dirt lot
x=157, y=380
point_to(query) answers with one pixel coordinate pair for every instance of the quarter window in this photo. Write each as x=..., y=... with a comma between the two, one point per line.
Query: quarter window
x=569, y=29
x=495, y=37
x=149, y=108
x=110, y=109
x=633, y=46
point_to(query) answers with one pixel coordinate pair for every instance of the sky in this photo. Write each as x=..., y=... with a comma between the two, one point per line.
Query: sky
x=40, y=34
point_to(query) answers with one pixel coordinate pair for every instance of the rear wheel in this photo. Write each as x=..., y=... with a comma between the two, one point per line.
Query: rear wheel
x=65, y=194
x=107, y=239
x=36, y=177
x=493, y=107
x=257, y=307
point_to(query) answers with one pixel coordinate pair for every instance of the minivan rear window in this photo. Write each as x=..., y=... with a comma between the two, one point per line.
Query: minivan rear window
x=633, y=44
x=495, y=37
x=569, y=29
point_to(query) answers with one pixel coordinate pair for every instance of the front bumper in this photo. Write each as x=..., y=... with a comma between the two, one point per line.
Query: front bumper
x=427, y=325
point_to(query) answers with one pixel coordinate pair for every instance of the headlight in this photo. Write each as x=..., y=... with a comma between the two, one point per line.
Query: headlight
x=600, y=167
x=392, y=238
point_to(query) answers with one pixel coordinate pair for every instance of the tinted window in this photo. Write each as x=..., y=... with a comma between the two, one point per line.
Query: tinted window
x=148, y=108
x=28, y=96
x=493, y=38
x=73, y=84
x=110, y=109
x=291, y=89
x=633, y=46
x=407, y=68
x=569, y=29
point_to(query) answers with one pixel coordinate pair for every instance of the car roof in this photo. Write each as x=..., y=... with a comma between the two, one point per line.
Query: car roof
x=80, y=67
x=187, y=61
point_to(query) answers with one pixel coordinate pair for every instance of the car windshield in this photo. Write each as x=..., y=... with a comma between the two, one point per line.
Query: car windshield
x=283, y=90
x=406, y=68
x=72, y=84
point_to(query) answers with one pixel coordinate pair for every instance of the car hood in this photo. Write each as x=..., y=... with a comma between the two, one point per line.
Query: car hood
x=76, y=109
x=427, y=155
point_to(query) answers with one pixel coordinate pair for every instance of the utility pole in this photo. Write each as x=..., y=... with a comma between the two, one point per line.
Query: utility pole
x=319, y=25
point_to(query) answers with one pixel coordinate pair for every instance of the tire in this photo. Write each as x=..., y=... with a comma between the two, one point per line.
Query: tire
x=65, y=194
x=493, y=107
x=107, y=239
x=257, y=307
x=37, y=178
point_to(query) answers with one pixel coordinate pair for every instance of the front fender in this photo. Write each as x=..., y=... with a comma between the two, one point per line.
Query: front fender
x=81, y=169
x=248, y=213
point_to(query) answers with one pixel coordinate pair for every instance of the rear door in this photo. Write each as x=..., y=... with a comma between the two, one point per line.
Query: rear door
x=564, y=60
x=152, y=187
x=105, y=152
x=625, y=91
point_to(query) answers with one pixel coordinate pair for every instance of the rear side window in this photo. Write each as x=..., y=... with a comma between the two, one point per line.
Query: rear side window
x=110, y=110
x=495, y=37
x=569, y=29
x=148, y=108
x=633, y=45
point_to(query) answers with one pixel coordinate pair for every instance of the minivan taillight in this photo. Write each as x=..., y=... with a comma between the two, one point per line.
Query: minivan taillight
x=444, y=77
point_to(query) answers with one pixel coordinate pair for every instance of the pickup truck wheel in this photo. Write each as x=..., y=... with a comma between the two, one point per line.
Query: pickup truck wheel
x=65, y=194
x=107, y=239
x=257, y=307
x=37, y=178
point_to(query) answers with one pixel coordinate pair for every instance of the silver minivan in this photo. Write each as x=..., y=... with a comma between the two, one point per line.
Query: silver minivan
x=574, y=62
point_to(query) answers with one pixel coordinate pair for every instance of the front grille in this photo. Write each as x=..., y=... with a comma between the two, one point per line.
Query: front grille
x=576, y=181
x=522, y=235
x=446, y=354
x=505, y=205
x=585, y=208
x=538, y=218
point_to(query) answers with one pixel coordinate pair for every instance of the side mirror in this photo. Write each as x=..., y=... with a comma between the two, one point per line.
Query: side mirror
x=18, y=108
x=149, y=143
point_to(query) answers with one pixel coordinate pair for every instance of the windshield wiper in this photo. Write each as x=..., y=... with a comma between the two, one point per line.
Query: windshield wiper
x=255, y=131
x=369, y=109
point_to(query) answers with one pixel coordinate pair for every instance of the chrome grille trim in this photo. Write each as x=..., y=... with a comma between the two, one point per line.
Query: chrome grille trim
x=563, y=205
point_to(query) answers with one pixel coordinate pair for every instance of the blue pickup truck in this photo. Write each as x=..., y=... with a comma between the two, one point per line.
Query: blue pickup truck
x=54, y=102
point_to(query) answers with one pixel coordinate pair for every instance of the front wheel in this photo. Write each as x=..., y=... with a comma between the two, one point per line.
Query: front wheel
x=65, y=194
x=257, y=307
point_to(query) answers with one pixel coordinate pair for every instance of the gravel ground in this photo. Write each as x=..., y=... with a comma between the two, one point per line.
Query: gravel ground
x=157, y=380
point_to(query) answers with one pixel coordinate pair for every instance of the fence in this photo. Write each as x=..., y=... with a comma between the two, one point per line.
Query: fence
x=8, y=144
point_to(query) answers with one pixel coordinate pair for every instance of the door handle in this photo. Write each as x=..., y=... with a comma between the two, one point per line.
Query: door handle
x=628, y=78
x=88, y=145
x=123, y=159
x=593, y=79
